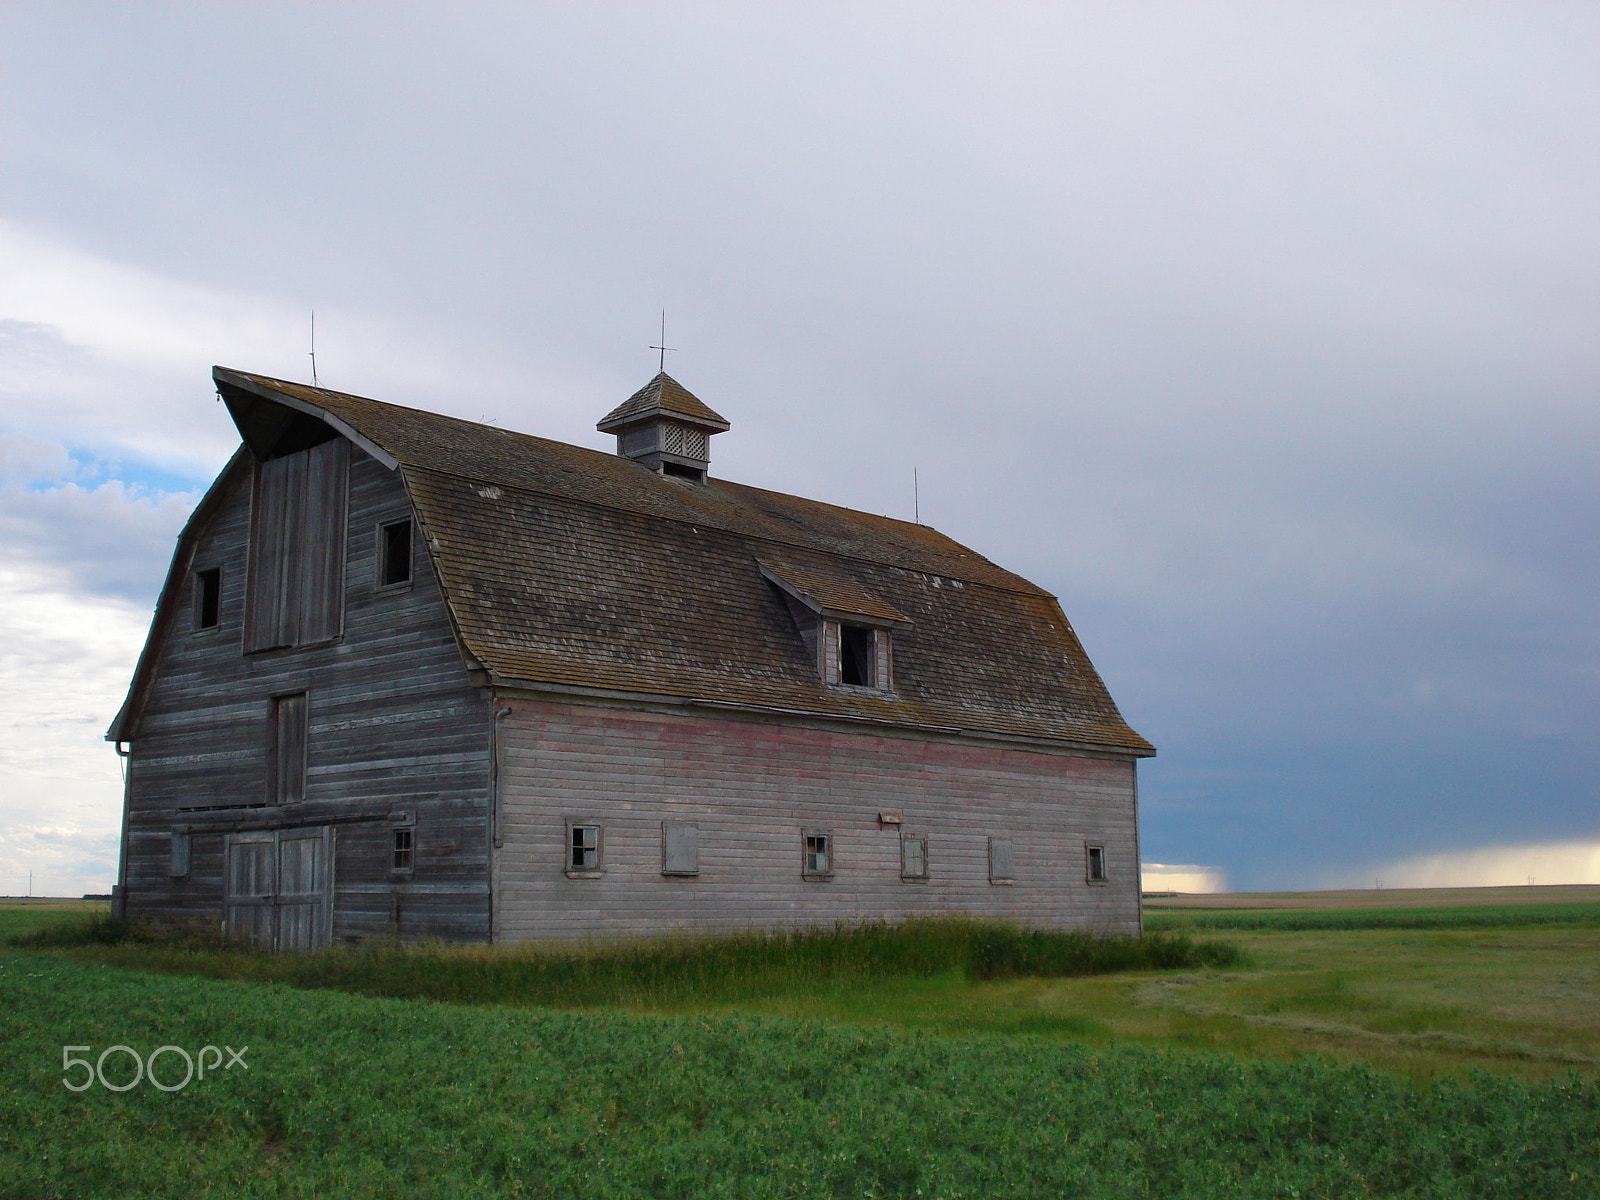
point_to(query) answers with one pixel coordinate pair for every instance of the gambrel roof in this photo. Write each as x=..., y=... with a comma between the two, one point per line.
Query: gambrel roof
x=569, y=569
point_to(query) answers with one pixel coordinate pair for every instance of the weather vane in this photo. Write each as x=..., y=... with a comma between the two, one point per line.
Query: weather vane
x=663, y=347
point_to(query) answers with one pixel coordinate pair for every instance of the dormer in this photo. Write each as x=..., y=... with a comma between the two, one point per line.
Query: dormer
x=665, y=427
x=845, y=628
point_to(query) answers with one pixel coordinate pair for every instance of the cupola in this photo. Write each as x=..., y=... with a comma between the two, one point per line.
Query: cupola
x=666, y=428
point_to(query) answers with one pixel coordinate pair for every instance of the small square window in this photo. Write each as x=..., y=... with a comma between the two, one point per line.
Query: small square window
x=394, y=554
x=181, y=847
x=913, y=856
x=1001, y=867
x=817, y=862
x=583, y=850
x=402, y=845
x=1095, y=864
x=208, y=598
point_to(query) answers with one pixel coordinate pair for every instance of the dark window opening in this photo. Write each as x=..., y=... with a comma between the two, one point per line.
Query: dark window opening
x=584, y=848
x=1097, y=864
x=400, y=859
x=208, y=598
x=394, y=554
x=683, y=472
x=857, y=655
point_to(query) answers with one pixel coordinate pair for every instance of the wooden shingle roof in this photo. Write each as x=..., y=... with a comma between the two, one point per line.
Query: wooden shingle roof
x=662, y=395
x=570, y=568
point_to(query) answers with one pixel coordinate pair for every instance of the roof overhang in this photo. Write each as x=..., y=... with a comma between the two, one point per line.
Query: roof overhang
x=826, y=600
x=266, y=416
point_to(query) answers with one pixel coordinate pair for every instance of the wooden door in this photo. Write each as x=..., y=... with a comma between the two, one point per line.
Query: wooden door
x=302, y=889
x=280, y=888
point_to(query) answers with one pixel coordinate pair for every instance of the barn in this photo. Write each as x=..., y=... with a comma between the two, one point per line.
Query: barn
x=412, y=676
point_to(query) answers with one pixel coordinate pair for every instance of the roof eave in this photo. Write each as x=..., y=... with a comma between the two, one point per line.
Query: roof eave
x=566, y=691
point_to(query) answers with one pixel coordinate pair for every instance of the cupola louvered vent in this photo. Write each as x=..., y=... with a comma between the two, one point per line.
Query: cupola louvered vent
x=665, y=427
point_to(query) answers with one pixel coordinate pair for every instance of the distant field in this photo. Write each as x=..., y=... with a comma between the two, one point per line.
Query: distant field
x=1378, y=898
x=19, y=916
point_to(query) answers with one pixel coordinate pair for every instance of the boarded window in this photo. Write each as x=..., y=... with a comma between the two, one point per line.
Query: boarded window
x=208, y=598
x=394, y=554
x=287, y=751
x=1095, y=864
x=584, y=850
x=913, y=856
x=1001, y=867
x=680, y=848
x=295, y=594
x=181, y=845
x=817, y=862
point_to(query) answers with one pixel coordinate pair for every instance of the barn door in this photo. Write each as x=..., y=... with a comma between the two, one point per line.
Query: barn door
x=280, y=888
x=303, y=888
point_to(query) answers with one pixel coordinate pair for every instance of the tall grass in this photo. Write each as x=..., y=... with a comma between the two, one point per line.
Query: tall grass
x=650, y=971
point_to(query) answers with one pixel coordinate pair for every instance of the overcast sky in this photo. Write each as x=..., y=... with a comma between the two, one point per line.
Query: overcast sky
x=1264, y=335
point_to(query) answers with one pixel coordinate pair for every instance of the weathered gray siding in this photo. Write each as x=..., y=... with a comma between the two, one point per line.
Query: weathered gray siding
x=392, y=727
x=751, y=786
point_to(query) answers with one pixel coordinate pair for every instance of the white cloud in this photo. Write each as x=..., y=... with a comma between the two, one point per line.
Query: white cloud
x=65, y=662
x=1172, y=877
x=1566, y=862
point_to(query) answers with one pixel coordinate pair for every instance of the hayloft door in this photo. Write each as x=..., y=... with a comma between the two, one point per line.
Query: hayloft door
x=280, y=886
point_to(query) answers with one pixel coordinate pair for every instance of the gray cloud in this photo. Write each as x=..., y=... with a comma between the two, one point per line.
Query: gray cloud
x=1264, y=336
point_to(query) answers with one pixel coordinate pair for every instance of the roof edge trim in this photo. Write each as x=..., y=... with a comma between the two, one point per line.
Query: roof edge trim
x=653, y=700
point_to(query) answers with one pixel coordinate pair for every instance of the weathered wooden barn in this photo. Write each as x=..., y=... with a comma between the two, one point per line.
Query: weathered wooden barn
x=411, y=675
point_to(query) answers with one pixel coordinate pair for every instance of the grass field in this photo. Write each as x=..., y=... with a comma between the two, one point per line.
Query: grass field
x=1437, y=1061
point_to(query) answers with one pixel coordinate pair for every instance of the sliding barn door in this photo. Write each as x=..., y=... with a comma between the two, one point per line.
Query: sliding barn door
x=280, y=888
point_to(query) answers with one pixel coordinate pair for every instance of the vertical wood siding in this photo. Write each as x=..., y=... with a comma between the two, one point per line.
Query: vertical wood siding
x=391, y=726
x=750, y=787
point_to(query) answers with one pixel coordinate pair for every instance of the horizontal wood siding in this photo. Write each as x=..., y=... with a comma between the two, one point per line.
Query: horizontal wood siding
x=752, y=786
x=392, y=726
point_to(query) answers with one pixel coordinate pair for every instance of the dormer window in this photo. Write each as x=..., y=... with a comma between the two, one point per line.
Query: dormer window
x=844, y=628
x=858, y=654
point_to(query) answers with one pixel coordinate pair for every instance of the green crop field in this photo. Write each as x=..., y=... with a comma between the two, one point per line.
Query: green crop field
x=1448, y=1061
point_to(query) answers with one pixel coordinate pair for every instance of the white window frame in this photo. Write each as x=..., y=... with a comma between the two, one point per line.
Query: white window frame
x=1092, y=852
